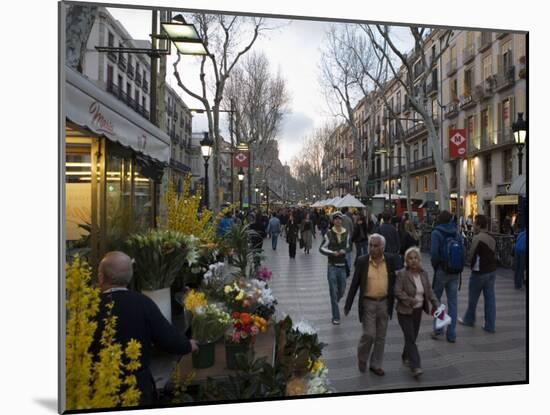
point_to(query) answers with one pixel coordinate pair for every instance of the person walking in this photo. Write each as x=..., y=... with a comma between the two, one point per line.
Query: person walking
x=347, y=222
x=291, y=230
x=374, y=277
x=409, y=238
x=273, y=230
x=445, y=278
x=388, y=231
x=334, y=246
x=520, y=250
x=306, y=233
x=323, y=224
x=414, y=295
x=360, y=237
x=483, y=262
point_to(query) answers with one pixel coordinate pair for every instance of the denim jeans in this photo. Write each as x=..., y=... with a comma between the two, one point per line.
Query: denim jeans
x=362, y=248
x=486, y=283
x=274, y=239
x=519, y=270
x=337, y=287
x=449, y=283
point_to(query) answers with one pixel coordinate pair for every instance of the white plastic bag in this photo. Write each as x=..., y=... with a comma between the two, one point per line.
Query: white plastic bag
x=441, y=318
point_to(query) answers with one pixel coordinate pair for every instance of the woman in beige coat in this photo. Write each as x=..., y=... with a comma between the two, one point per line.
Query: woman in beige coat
x=414, y=295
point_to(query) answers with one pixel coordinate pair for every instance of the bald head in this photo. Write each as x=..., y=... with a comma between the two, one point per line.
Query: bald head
x=115, y=270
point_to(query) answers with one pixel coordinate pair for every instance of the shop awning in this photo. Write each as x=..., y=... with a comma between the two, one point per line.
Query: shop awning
x=505, y=200
x=87, y=105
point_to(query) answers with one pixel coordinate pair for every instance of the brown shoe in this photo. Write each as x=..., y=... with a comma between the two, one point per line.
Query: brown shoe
x=377, y=371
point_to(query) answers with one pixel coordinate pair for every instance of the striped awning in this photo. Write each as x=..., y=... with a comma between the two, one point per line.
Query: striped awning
x=505, y=200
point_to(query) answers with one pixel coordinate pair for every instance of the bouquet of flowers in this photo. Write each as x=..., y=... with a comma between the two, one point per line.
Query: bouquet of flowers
x=317, y=378
x=209, y=323
x=263, y=274
x=250, y=295
x=213, y=281
x=194, y=299
x=245, y=327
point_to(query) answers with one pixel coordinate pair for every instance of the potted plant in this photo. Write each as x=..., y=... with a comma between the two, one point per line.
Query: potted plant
x=242, y=335
x=209, y=324
x=159, y=256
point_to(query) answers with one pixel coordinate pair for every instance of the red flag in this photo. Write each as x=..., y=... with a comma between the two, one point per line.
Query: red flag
x=458, y=143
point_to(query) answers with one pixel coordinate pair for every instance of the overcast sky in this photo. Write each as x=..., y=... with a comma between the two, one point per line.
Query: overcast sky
x=293, y=49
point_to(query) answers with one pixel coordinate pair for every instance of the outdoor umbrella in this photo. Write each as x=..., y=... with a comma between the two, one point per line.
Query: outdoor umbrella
x=349, y=201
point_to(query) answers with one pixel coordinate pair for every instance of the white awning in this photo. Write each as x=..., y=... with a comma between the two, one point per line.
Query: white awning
x=89, y=106
x=505, y=200
x=349, y=201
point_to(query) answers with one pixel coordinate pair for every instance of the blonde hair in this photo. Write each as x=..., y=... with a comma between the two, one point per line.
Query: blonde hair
x=409, y=227
x=410, y=251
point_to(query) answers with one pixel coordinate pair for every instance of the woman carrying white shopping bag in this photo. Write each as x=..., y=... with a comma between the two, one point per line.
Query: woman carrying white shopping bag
x=414, y=294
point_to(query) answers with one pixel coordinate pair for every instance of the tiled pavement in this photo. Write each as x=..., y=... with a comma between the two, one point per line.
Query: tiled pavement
x=477, y=357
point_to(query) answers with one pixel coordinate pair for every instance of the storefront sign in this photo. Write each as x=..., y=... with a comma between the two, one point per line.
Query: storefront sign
x=457, y=143
x=87, y=105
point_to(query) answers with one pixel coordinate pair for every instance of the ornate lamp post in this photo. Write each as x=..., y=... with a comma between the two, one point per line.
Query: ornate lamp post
x=206, y=150
x=240, y=176
x=356, y=184
x=520, y=134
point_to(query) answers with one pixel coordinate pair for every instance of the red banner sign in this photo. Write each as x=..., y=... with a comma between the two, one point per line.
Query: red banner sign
x=458, y=147
x=240, y=159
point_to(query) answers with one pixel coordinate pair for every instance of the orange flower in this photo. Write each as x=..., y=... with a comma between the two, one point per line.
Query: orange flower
x=245, y=318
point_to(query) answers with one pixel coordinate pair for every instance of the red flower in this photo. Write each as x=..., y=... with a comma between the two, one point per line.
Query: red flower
x=235, y=315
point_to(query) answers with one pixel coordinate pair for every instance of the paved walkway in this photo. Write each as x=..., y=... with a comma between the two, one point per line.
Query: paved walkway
x=477, y=357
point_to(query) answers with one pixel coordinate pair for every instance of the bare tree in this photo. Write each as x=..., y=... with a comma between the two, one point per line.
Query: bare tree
x=228, y=39
x=79, y=22
x=259, y=100
x=414, y=83
x=344, y=62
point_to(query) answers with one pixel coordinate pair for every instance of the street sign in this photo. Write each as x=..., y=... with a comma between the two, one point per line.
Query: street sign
x=457, y=143
x=241, y=159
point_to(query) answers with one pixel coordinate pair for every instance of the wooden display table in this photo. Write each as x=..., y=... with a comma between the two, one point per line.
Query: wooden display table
x=264, y=347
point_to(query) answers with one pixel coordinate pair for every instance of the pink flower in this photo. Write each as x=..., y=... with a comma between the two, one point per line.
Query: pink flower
x=236, y=338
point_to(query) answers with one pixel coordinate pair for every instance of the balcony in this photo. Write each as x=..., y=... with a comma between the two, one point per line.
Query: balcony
x=505, y=78
x=138, y=79
x=112, y=56
x=451, y=109
x=415, y=130
x=145, y=85
x=489, y=140
x=431, y=87
x=451, y=67
x=123, y=96
x=484, y=42
x=421, y=164
x=130, y=71
x=467, y=101
x=121, y=62
x=468, y=54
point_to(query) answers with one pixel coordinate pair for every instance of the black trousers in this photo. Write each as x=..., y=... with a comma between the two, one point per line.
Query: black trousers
x=410, y=324
x=292, y=249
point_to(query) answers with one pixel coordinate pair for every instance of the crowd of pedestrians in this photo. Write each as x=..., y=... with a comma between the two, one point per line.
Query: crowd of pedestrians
x=388, y=272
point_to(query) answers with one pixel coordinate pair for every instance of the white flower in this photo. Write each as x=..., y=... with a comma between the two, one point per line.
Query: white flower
x=304, y=328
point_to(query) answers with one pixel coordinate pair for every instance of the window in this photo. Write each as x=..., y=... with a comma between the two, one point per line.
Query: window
x=507, y=165
x=143, y=102
x=120, y=83
x=415, y=152
x=136, y=91
x=417, y=183
x=111, y=40
x=426, y=188
x=453, y=90
x=435, y=108
x=487, y=66
x=128, y=89
x=398, y=99
x=473, y=140
x=468, y=81
x=424, y=148
x=453, y=56
x=435, y=181
x=484, y=126
x=110, y=72
x=471, y=173
x=487, y=170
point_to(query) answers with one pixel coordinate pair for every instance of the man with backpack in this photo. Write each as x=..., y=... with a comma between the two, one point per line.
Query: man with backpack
x=447, y=255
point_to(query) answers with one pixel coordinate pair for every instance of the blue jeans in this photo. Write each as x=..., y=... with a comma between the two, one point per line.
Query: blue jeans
x=519, y=270
x=362, y=248
x=486, y=283
x=449, y=283
x=337, y=287
x=274, y=239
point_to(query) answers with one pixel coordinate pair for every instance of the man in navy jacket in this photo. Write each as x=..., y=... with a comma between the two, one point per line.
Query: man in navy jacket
x=138, y=317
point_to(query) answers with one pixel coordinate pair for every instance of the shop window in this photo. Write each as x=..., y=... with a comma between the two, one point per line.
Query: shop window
x=143, y=199
x=426, y=187
x=471, y=173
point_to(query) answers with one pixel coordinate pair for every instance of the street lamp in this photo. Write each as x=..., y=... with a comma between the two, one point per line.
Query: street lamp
x=240, y=176
x=256, y=190
x=206, y=150
x=356, y=184
x=520, y=134
x=185, y=36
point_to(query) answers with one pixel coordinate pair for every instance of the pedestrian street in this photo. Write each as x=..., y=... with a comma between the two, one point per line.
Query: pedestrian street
x=477, y=357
